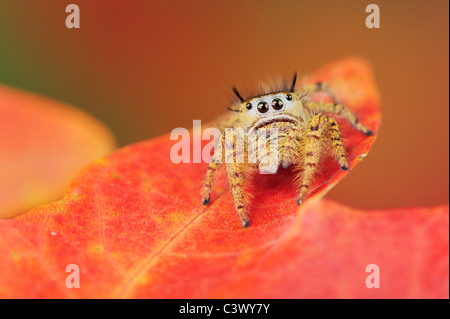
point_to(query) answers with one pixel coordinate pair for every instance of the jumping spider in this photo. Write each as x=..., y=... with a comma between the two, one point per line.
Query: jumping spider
x=303, y=132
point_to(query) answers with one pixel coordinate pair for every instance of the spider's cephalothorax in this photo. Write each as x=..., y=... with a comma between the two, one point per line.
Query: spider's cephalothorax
x=302, y=132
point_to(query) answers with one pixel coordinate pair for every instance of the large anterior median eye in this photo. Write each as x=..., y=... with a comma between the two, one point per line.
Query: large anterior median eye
x=277, y=104
x=263, y=107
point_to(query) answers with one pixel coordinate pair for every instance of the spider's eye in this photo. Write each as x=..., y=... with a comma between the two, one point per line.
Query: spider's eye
x=263, y=107
x=277, y=104
x=289, y=97
x=248, y=106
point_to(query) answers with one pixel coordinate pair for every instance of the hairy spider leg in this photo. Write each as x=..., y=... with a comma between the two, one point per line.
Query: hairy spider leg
x=322, y=130
x=341, y=110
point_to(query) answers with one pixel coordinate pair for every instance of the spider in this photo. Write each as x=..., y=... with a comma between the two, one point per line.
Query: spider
x=304, y=133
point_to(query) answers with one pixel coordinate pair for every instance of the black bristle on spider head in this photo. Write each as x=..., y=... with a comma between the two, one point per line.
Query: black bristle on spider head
x=238, y=94
x=293, y=82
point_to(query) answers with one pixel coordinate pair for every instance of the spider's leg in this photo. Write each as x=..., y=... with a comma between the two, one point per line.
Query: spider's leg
x=236, y=178
x=212, y=168
x=318, y=87
x=322, y=129
x=341, y=110
x=232, y=154
x=336, y=143
x=214, y=164
x=314, y=141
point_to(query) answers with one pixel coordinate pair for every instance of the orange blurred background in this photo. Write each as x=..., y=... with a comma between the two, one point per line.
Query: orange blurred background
x=144, y=68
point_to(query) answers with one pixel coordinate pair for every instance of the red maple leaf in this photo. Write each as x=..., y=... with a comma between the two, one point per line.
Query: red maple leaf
x=134, y=225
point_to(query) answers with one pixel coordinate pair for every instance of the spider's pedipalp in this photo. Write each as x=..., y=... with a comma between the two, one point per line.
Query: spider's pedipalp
x=289, y=150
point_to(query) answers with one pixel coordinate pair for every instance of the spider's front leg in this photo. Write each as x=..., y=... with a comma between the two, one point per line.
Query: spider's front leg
x=236, y=178
x=322, y=130
x=214, y=164
x=235, y=172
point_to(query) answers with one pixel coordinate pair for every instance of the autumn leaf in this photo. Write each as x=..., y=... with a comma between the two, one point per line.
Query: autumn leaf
x=43, y=145
x=134, y=225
